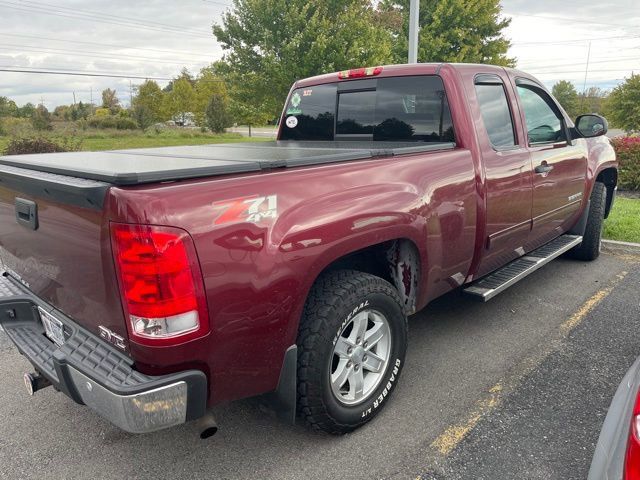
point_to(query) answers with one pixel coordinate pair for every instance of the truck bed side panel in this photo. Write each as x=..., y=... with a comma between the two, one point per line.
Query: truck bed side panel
x=258, y=272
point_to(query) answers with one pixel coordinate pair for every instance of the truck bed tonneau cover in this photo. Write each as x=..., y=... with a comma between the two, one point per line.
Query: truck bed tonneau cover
x=147, y=165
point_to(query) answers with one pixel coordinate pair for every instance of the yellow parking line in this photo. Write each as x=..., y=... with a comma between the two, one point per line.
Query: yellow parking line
x=453, y=435
x=589, y=305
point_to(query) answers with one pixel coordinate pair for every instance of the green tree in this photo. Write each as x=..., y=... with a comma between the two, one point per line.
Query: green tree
x=148, y=103
x=41, y=118
x=185, y=74
x=180, y=100
x=79, y=111
x=110, y=100
x=61, y=111
x=143, y=116
x=216, y=114
x=269, y=44
x=8, y=107
x=208, y=84
x=249, y=114
x=26, y=111
x=623, y=104
x=592, y=100
x=450, y=31
x=566, y=94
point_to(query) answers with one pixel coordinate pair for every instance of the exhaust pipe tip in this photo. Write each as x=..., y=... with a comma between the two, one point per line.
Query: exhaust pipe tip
x=34, y=382
x=208, y=432
x=207, y=425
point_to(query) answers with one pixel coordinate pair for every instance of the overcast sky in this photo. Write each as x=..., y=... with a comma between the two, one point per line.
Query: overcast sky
x=155, y=38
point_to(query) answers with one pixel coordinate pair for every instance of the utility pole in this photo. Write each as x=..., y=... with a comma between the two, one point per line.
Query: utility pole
x=586, y=72
x=91, y=90
x=130, y=95
x=74, y=98
x=414, y=14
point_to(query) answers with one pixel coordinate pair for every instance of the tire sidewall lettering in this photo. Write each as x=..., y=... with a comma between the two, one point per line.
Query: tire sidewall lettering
x=379, y=400
x=346, y=321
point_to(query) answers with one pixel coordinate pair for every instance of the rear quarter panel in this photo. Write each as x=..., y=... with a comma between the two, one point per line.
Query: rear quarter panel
x=257, y=275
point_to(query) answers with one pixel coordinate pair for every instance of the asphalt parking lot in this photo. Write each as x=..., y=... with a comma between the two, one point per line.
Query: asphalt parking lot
x=515, y=388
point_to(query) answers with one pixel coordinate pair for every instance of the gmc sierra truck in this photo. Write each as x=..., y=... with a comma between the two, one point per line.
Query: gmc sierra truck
x=154, y=284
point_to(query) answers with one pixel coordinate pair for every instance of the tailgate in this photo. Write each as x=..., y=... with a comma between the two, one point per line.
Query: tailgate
x=54, y=238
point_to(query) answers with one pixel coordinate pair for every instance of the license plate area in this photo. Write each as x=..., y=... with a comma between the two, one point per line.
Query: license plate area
x=53, y=328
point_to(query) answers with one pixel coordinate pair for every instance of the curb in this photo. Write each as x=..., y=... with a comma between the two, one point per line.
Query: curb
x=614, y=246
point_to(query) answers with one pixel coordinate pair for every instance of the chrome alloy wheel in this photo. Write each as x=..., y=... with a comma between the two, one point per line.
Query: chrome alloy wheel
x=360, y=357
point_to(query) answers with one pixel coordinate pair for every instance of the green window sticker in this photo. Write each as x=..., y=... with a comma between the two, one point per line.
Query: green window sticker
x=295, y=100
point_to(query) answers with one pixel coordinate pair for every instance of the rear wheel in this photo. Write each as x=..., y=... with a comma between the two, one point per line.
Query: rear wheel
x=589, y=249
x=352, y=343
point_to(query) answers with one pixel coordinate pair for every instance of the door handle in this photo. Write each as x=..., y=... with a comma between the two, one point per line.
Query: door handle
x=543, y=168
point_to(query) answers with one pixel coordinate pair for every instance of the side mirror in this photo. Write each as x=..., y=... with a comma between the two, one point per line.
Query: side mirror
x=591, y=125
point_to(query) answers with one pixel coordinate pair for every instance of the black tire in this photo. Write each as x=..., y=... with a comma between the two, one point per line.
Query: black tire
x=589, y=249
x=335, y=298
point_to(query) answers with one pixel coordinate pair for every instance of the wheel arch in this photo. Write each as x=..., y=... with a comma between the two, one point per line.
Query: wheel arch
x=397, y=261
x=609, y=176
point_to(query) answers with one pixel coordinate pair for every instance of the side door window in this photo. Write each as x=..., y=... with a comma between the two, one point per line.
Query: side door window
x=544, y=122
x=507, y=167
x=496, y=114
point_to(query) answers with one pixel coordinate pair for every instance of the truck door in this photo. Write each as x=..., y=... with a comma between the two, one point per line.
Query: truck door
x=559, y=164
x=507, y=165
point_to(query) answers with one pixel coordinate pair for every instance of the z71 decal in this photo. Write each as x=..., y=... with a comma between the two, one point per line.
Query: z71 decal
x=247, y=209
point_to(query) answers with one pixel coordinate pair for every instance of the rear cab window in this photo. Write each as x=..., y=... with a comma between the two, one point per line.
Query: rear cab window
x=392, y=109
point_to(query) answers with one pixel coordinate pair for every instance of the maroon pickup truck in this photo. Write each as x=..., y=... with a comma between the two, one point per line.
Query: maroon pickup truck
x=153, y=284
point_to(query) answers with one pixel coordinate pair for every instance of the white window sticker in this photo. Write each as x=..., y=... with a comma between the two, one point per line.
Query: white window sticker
x=292, y=122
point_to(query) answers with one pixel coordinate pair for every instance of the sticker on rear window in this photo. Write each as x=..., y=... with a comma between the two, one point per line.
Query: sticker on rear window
x=292, y=122
x=294, y=105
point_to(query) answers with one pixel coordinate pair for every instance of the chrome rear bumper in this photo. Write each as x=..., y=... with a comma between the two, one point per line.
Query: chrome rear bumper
x=93, y=373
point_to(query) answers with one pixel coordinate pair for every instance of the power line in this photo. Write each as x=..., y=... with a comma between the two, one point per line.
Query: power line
x=56, y=71
x=578, y=64
x=564, y=42
x=582, y=71
x=60, y=69
x=217, y=3
x=98, y=20
x=572, y=20
x=35, y=37
x=100, y=15
x=78, y=74
x=90, y=54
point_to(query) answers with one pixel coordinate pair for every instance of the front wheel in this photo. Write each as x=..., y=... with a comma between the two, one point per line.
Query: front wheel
x=589, y=249
x=351, y=349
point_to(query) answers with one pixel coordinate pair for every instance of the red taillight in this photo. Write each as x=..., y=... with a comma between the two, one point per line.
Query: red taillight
x=360, y=72
x=160, y=283
x=632, y=457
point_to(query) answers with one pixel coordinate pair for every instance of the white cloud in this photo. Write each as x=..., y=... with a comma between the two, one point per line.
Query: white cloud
x=550, y=40
x=151, y=38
